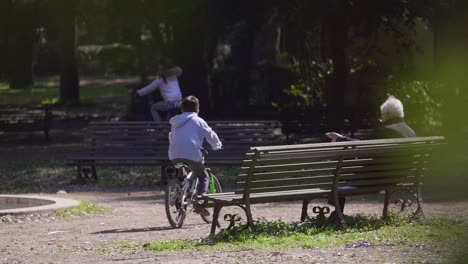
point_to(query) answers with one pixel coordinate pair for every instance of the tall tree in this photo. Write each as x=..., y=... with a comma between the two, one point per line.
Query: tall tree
x=65, y=13
x=337, y=26
x=20, y=39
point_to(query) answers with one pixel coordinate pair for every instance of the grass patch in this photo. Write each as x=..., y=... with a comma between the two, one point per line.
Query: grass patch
x=373, y=231
x=44, y=94
x=27, y=176
x=52, y=175
x=34, y=176
x=124, y=176
x=83, y=209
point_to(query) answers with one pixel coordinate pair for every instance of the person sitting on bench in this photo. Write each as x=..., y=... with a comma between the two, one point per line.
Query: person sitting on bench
x=393, y=125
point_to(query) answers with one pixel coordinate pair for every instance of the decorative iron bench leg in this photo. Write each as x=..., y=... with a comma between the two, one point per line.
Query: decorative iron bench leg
x=321, y=211
x=403, y=198
x=94, y=173
x=305, y=206
x=419, y=212
x=79, y=170
x=386, y=203
x=215, y=222
x=231, y=218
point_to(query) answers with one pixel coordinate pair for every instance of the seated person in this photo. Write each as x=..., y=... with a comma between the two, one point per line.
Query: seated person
x=392, y=123
x=392, y=126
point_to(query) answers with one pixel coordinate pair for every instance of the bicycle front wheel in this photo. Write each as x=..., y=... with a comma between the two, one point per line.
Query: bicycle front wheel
x=217, y=189
x=175, y=209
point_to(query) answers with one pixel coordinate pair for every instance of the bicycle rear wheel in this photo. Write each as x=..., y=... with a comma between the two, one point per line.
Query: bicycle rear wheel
x=217, y=189
x=175, y=210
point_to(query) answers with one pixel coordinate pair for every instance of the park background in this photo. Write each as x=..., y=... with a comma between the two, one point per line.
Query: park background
x=316, y=66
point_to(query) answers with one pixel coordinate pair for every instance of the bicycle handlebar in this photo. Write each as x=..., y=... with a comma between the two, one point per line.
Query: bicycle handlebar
x=205, y=151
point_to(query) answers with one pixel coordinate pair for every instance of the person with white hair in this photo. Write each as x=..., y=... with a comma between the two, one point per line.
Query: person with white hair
x=392, y=123
x=392, y=126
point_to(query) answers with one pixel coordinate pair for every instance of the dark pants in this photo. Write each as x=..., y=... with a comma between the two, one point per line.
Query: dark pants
x=163, y=106
x=199, y=171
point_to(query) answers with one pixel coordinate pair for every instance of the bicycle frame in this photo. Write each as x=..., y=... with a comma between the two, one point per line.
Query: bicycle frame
x=181, y=195
x=189, y=188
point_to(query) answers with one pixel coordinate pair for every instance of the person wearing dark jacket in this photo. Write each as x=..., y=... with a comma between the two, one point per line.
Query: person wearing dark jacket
x=393, y=125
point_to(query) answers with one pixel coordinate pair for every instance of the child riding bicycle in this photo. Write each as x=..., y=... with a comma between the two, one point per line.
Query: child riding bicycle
x=167, y=82
x=188, y=131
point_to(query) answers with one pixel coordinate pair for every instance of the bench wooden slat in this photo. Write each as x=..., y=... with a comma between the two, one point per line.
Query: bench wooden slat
x=295, y=173
x=346, y=154
x=350, y=144
x=378, y=174
x=286, y=184
x=270, y=196
x=379, y=181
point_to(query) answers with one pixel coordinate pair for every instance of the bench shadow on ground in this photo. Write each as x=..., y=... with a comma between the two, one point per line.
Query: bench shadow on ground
x=138, y=230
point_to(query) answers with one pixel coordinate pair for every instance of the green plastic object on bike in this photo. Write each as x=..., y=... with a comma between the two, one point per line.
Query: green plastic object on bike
x=212, y=186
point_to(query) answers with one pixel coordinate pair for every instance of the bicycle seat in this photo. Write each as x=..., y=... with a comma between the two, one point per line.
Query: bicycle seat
x=179, y=164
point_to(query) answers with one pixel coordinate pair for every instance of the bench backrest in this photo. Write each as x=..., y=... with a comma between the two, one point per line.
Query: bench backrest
x=18, y=115
x=239, y=136
x=150, y=139
x=362, y=165
x=132, y=139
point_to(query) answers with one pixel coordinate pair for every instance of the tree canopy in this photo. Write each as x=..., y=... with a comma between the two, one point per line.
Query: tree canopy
x=292, y=57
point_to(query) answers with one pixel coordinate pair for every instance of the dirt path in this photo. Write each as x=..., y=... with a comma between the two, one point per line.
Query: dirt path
x=139, y=216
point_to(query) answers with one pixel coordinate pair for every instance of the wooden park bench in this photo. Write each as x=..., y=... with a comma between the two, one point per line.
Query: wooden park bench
x=146, y=144
x=327, y=170
x=17, y=118
x=121, y=144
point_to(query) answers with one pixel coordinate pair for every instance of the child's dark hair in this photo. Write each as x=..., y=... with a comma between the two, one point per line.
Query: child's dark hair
x=190, y=104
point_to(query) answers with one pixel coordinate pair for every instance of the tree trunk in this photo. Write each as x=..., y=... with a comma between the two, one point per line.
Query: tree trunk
x=20, y=44
x=194, y=80
x=337, y=33
x=189, y=51
x=247, y=63
x=69, y=80
x=20, y=60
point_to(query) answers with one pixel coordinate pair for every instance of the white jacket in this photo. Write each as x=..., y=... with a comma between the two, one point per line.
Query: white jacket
x=188, y=131
x=170, y=90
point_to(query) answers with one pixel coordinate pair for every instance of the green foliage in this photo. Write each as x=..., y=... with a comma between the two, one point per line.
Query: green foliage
x=422, y=107
x=307, y=88
x=83, y=209
x=111, y=59
x=32, y=95
x=50, y=101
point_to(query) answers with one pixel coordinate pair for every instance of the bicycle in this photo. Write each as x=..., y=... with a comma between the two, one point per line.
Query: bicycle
x=180, y=195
